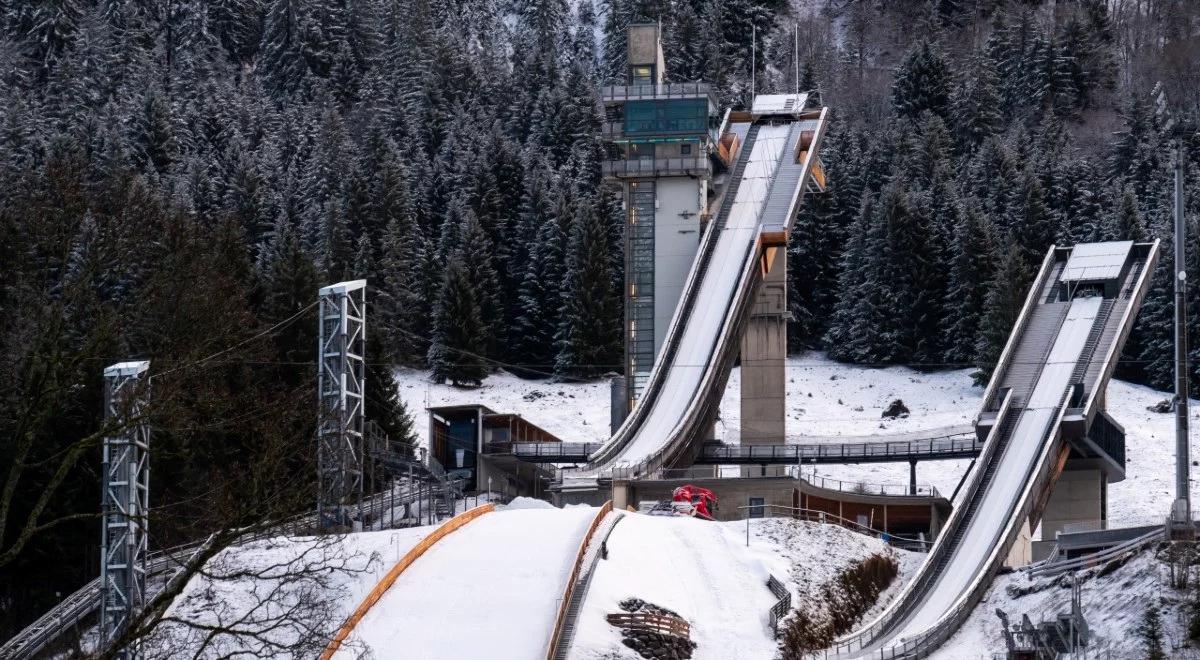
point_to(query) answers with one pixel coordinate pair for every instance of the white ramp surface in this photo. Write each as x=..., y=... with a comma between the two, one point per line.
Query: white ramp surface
x=717, y=292
x=489, y=590
x=1028, y=437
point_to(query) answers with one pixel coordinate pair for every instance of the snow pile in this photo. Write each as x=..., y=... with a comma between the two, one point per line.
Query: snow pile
x=489, y=590
x=527, y=503
x=1113, y=605
x=705, y=572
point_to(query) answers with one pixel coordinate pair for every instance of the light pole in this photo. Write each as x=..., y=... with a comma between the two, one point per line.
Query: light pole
x=1180, y=521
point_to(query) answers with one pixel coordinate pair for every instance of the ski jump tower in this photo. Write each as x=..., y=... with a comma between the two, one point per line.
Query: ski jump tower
x=666, y=152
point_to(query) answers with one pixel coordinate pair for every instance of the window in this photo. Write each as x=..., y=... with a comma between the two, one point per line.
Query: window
x=685, y=150
x=641, y=75
x=666, y=116
x=757, y=507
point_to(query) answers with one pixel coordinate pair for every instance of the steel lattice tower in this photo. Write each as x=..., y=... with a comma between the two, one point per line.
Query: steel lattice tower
x=341, y=386
x=125, y=502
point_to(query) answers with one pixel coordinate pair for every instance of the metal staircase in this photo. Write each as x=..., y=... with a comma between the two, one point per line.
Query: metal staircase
x=1093, y=340
x=575, y=606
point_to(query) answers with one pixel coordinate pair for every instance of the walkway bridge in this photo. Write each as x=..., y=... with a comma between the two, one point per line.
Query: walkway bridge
x=936, y=445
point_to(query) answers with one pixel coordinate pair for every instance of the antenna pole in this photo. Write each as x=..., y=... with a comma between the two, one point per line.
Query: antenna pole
x=796, y=55
x=753, y=60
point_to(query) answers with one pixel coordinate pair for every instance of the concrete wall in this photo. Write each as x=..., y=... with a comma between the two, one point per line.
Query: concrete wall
x=1078, y=497
x=676, y=240
x=764, y=349
x=645, y=47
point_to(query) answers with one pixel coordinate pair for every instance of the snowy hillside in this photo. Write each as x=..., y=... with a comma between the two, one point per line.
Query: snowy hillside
x=829, y=398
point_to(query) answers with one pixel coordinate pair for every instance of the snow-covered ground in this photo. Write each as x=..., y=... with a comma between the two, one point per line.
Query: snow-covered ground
x=489, y=590
x=827, y=398
x=707, y=574
x=1113, y=606
x=275, y=594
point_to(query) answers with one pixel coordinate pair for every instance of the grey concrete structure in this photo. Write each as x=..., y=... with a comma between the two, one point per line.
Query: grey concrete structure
x=764, y=350
x=1078, y=501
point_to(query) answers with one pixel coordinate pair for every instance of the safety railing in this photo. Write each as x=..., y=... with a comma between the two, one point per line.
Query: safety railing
x=565, y=452
x=949, y=447
x=657, y=166
x=1104, y=556
x=863, y=488
x=783, y=602
x=753, y=511
x=664, y=91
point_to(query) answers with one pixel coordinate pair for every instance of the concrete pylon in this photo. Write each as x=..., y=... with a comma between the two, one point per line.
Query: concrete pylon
x=764, y=354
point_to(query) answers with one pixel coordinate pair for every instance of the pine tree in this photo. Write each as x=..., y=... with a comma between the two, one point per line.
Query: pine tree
x=540, y=302
x=975, y=106
x=922, y=83
x=456, y=349
x=1005, y=297
x=1151, y=633
x=591, y=337
x=971, y=267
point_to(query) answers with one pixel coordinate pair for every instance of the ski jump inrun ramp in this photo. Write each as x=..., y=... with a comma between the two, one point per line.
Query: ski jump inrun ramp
x=776, y=163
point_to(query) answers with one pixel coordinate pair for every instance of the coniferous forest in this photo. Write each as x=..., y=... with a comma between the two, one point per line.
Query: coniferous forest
x=178, y=177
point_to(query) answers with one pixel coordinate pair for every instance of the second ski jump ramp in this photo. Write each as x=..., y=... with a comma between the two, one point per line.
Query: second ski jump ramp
x=1058, y=359
x=777, y=160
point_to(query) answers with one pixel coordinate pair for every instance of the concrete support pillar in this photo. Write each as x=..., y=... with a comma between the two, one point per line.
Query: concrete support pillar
x=1078, y=499
x=912, y=477
x=620, y=495
x=764, y=349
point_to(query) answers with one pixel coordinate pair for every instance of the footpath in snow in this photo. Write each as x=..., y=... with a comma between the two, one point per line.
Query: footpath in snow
x=489, y=590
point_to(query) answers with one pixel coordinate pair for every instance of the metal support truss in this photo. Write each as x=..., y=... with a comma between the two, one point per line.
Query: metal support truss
x=341, y=381
x=125, y=501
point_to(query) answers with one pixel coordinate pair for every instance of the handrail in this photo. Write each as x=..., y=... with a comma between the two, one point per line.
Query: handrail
x=940, y=547
x=569, y=588
x=1018, y=329
x=1054, y=568
x=1125, y=327
x=826, y=518
x=783, y=602
x=864, y=488
x=443, y=530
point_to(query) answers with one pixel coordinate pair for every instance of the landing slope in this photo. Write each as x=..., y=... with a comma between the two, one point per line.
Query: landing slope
x=489, y=590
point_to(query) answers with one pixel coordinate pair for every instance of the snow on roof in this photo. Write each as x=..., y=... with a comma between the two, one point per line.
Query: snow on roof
x=126, y=368
x=343, y=287
x=1096, y=261
x=769, y=104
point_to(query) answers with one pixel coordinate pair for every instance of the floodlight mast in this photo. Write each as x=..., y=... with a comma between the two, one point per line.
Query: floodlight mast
x=341, y=391
x=1180, y=522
